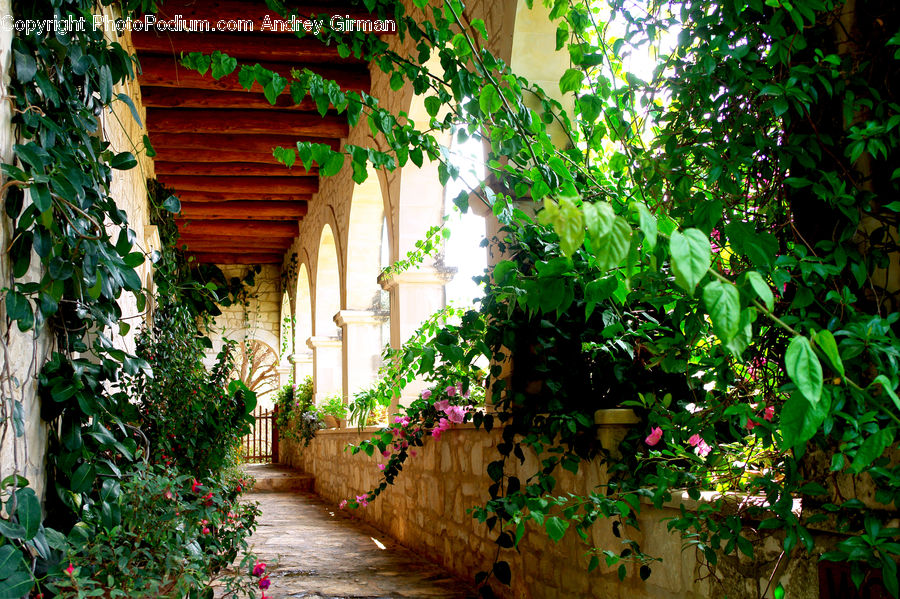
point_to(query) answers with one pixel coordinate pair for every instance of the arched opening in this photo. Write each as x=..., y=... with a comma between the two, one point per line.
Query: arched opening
x=326, y=340
x=465, y=249
x=303, y=329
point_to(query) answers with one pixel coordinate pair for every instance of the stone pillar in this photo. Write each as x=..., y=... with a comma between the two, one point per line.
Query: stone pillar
x=326, y=352
x=303, y=364
x=361, y=332
x=415, y=296
x=284, y=373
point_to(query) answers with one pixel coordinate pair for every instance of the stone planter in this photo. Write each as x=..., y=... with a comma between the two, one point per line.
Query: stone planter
x=612, y=426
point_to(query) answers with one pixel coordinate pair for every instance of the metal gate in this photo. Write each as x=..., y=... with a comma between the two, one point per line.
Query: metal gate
x=261, y=445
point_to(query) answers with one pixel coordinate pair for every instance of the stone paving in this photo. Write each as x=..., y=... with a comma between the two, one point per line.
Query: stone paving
x=315, y=551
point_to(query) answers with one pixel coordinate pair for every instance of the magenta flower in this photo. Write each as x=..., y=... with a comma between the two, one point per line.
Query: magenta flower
x=259, y=568
x=769, y=413
x=362, y=500
x=442, y=405
x=426, y=394
x=456, y=414
x=699, y=445
x=450, y=391
x=342, y=504
x=381, y=467
x=750, y=424
x=654, y=436
x=264, y=582
x=71, y=569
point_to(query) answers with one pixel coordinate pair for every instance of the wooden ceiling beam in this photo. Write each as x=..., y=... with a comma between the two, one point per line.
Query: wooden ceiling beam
x=244, y=122
x=224, y=196
x=172, y=97
x=216, y=157
x=237, y=228
x=231, y=258
x=254, y=12
x=249, y=186
x=252, y=210
x=246, y=246
x=233, y=169
x=166, y=72
x=229, y=141
x=264, y=46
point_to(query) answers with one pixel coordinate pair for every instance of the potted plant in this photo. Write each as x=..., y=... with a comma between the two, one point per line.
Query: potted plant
x=333, y=412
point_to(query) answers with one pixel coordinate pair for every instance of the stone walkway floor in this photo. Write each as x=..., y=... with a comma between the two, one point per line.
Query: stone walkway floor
x=315, y=551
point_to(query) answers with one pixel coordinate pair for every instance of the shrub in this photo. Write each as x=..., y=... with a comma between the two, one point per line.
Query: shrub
x=297, y=419
x=167, y=535
x=193, y=417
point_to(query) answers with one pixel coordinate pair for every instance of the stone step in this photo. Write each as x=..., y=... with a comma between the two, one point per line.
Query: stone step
x=273, y=478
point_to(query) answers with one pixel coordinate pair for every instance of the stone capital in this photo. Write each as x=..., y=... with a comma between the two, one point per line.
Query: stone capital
x=356, y=317
x=320, y=341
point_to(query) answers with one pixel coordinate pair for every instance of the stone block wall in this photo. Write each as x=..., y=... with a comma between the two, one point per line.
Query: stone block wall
x=426, y=510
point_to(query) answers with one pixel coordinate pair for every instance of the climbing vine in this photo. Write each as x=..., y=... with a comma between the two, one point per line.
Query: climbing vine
x=714, y=248
x=74, y=264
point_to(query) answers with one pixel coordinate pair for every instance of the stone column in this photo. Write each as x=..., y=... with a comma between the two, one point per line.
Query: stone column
x=415, y=296
x=326, y=353
x=303, y=364
x=361, y=332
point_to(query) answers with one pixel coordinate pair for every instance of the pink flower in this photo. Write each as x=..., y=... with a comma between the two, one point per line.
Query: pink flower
x=381, y=467
x=703, y=449
x=769, y=413
x=426, y=394
x=264, y=582
x=386, y=453
x=259, y=568
x=362, y=500
x=342, y=504
x=699, y=445
x=442, y=405
x=71, y=569
x=456, y=414
x=654, y=436
x=750, y=424
x=450, y=391
x=205, y=530
x=195, y=485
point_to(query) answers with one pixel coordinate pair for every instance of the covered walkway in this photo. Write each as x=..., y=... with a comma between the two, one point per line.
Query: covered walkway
x=315, y=551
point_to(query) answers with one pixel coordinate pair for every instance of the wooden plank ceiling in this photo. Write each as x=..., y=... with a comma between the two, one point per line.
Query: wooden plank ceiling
x=214, y=139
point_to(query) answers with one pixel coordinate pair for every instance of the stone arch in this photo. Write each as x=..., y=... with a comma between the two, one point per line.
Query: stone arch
x=327, y=288
x=327, y=297
x=303, y=324
x=364, y=234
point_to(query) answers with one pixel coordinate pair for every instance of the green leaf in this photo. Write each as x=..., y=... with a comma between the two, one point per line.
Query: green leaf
x=106, y=84
x=691, y=257
x=778, y=593
x=723, y=303
x=567, y=221
x=871, y=449
x=599, y=218
x=10, y=561
x=123, y=161
x=17, y=586
x=332, y=165
x=590, y=106
x=83, y=478
x=432, y=105
x=26, y=66
x=804, y=368
x=800, y=420
x=761, y=288
x=502, y=572
x=825, y=341
x=172, y=204
x=556, y=527
x=648, y=225
x=489, y=100
x=611, y=249
x=28, y=511
x=888, y=387
x=571, y=80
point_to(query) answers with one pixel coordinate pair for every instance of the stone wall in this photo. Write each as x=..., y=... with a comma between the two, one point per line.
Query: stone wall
x=426, y=510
